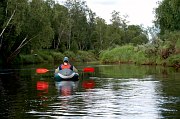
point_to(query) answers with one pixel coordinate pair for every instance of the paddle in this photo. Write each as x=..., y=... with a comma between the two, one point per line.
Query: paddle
x=88, y=69
x=44, y=70
x=41, y=70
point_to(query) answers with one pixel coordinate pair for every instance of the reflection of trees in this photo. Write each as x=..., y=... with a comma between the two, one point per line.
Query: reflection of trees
x=132, y=71
x=124, y=71
x=3, y=97
x=17, y=93
x=9, y=84
x=170, y=89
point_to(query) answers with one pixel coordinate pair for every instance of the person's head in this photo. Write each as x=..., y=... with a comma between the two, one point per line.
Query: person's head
x=66, y=60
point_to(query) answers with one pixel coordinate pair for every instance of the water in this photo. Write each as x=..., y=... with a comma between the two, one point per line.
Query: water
x=112, y=91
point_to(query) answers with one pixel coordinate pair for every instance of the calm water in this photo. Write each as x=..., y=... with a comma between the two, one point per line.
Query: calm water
x=112, y=91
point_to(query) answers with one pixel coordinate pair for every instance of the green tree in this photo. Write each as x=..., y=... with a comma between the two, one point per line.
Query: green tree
x=117, y=30
x=60, y=25
x=91, y=29
x=100, y=34
x=136, y=35
x=140, y=39
x=78, y=11
x=11, y=28
x=26, y=24
x=168, y=16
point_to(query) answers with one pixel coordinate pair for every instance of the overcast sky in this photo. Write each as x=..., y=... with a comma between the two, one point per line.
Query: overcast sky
x=139, y=11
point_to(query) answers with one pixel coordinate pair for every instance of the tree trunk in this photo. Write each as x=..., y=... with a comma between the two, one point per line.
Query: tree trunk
x=6, y=27
x=59, y=38
x=18, y=49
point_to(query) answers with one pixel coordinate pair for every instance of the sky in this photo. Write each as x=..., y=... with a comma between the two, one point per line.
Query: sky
x=140, y=12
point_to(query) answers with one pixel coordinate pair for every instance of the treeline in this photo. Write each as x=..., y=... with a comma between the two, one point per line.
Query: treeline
x=30, y=25
x=164, y=48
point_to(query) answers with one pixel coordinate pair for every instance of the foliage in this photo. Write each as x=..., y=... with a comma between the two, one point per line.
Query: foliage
x=85, y=56
x=70, y=54
x=168, y=16
x=140, y=58
x=118, y=54
x=31, y=25
x=30, y=59
x=54, y=56
x=174, y=60
x=57, y=56
x=177, y=47
x=25, y=24
x=46, y=56
x=74, y=47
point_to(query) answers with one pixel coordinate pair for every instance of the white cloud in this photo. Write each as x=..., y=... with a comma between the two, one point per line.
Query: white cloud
x=139, y=11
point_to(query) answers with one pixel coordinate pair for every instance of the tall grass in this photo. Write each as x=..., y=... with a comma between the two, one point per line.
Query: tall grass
x=57, y=56
x=124, y=54
x=45, y=56
x=31, y=59
x=147, y=54
x=85, y=56
x=118, y=54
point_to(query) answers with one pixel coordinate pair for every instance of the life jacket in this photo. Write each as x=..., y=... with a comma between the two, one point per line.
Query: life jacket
x=62, y=66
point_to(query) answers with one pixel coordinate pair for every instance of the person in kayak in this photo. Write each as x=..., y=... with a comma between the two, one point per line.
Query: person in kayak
x=66, y=65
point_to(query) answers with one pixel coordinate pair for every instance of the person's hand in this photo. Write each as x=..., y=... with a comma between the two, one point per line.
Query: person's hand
x=56, y=70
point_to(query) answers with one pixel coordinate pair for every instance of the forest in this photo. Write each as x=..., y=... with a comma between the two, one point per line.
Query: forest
x=48, y=31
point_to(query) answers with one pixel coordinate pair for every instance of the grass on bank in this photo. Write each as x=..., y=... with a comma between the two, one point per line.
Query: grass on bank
x=124, y=54
x=44, y=56
x=143, y=54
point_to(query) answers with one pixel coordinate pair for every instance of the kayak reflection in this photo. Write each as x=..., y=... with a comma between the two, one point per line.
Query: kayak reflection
x=66, y=88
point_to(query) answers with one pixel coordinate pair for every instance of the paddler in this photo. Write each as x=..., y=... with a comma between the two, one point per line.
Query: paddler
x=66, y=65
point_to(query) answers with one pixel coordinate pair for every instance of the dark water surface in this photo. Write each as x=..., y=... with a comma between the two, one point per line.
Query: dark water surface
x=112, y=91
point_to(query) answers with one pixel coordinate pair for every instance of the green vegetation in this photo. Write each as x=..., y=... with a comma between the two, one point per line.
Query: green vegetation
x=32, y=25
x=52, y=31
x=165, y=46
x=124, y=71
x=52, y=56
x=164, y=53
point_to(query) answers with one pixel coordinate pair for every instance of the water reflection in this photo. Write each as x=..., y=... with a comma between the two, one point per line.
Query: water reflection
x=88, y=84
x=66, y=88
x=42, y=88
x=112, y=91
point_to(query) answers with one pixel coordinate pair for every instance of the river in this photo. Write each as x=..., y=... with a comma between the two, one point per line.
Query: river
x=113, y=91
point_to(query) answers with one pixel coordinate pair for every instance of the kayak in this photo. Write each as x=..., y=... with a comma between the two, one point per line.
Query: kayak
x=66, y=75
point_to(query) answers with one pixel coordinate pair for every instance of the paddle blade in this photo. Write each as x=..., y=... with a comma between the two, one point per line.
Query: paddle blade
x=89, y=84
x=88, y=69
x=42, y=85
x=41, y=70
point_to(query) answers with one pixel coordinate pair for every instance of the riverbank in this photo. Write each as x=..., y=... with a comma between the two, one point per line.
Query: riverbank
x=159, y=53
x=47, y=56
x=143, y=55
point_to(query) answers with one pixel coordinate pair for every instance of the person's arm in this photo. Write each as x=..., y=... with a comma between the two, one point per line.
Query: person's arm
x=57, y=70
x=75, y=70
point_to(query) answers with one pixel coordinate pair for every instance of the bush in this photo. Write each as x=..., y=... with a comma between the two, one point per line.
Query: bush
x=52, y=56
x=46, y=56
x=118, y=54
x=177, y=46
x=70, y=55
x=57, y=56
x=140, y=58
x=30, y=59
x=85, y=56
x=174, y=60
